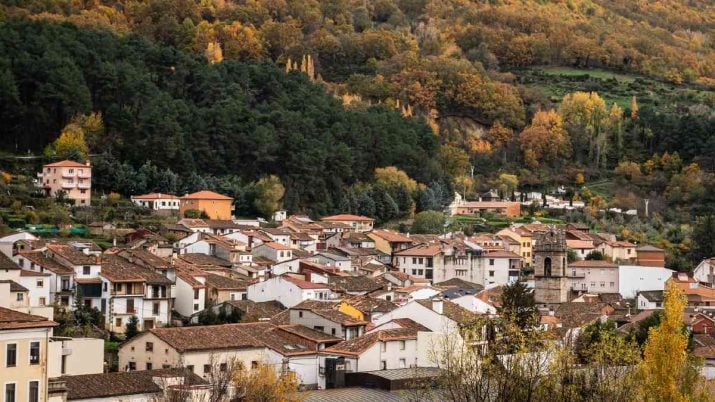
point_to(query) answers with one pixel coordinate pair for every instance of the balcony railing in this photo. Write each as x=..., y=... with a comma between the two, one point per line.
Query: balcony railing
x=68, y=185
x=68, y=175
x=84, y=175
x=84, y=185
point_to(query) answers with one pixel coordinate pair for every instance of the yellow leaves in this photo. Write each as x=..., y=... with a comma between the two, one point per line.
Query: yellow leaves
x=213, y=53
x=241, y=42
x=665, y=357
x=499, y=136
x=262, y=383
x=545, y=139
x=479, y=146
x=6, y=177
x=392, y=177
x=269, y=193
x=634, y=108
x=579, y=179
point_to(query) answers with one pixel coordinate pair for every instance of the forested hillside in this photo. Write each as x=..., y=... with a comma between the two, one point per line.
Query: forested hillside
x=193, y=121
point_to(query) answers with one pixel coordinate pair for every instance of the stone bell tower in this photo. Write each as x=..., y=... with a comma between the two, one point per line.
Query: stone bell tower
x=552, y=285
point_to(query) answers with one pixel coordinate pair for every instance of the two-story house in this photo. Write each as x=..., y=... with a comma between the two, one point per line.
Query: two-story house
x=592, y=276
x=355, y=222
x=288, y=290
x=60, y=277
x=325, y=316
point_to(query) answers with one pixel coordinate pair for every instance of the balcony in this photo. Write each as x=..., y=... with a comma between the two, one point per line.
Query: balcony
x=84, y=175
x=84, y=185
x=68, y=185
x=68, y=175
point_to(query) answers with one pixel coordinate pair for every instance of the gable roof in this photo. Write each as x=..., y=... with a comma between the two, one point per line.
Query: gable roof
x=14, y=286
x=593, y=264
x=453, y=311
x=303, y=284
x=154, y=196
x=428, y=250
x=104, y=385
x=653, y=296
x=347, y=218
x=390, y=236
x=357, y=346
x=206, y=195
x=7, y=263
x=11, y=319
x=275, y=246
x=204, y=259
x=73, y=255
x=67, y=163
x=367, y=304
x=354, y=283
x=648, y=247
x=224, y=283
x=118, y=269
x=257, y=310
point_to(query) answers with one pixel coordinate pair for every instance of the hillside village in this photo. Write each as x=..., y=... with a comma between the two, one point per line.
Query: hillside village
x=335, y=302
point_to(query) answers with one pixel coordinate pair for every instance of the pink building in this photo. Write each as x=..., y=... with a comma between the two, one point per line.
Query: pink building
x=74, y=178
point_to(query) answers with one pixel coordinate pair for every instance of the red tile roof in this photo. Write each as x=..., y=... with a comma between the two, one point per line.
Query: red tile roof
x=154, y=196
x=421, y=250
x=347, y=218
x=276, y=246
x=11, y=319
x=356, y=346
x=593, y=264
x=67, y=163
x=304, y=284
x=205, y=195
x=390, y=236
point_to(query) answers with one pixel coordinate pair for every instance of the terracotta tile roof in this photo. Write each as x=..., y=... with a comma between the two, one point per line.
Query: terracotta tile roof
x=620, y=243
x=205, y=195
x=706, y=352
x=14, y=286
x=309, y=333
x=11, y=319
x=428, y=250
x=276, y=246
x=27, y=272
x=648, y=247
x=223, y=224
x=409, y=323
x=188, y=273
x=7, y=263
x=501, y=254
x=256, y=311
x=353, y=283
x=118, y=269
x=204, y=259
x=67, y=163
x=235, y=336
x=193, y=223
x=367, y=304
x=154, y=196
x=107, y=385
x=328, y=310
x=453, y=311
x=39, y=258
x=71, y=254
x=151, y=260
x=224, y=283
x=357, y=346
x=579, y=244
x=579, y=235
x=593, y=264
x=347, y=218
x=304, y=284
x=459, y=283
x=576, y=315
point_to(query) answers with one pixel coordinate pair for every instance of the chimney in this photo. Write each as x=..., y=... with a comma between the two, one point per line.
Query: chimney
x=87, y=163
x=438, y=305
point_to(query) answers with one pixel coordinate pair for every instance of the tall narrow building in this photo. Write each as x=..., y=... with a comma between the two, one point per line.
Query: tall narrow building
x=552, y=285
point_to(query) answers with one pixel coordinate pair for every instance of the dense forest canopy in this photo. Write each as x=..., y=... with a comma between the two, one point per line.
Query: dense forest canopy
x=174, y=110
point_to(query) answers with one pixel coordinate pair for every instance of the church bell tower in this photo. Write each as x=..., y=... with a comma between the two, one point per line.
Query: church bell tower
x=552, y=285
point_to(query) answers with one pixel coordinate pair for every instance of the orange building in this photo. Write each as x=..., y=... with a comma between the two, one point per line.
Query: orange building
x=215, y=205
x=74, y=178
x=650, y=256
x=504, y=208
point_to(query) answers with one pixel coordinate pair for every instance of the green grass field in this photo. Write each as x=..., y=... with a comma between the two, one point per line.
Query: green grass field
x=595, y=73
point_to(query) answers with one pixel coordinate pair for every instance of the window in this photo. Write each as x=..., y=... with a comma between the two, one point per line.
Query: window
x=86, y=270
x=319, y=328
x=71, y=171
x=196, y=307
x=11, y=355
x=383, y=365
x=34, y=391
x=43, y=301
x=132, y=366
x=414, y=272
x=118, y=322
x=21, y=262
x=402, y=345
x=491, y=261
x=491, y=274
x=613, y=284
x=223, y=367
x=104, y=286
x=130, y=305
x=150, y=346
x=300, y=314
x=254, y=364
x=403, y=363
x=155, y=308
x=332, y=331
x=420, y=260
x=9, y=392
x=148, y=366
x=40, y=284
x=196, y=294
x=190, y=367
x=20, y=296
x=207, y=368
x=34, y=353
x=414, y=260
